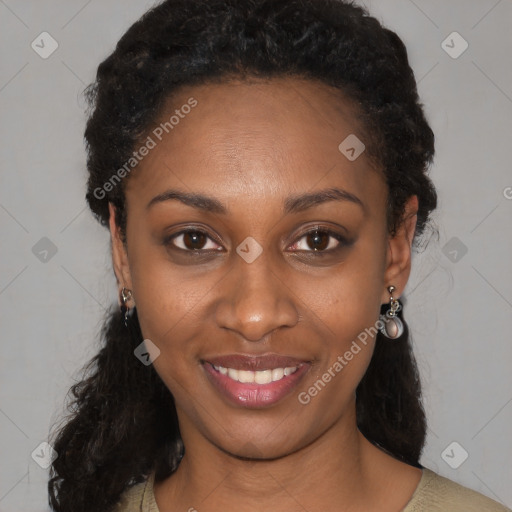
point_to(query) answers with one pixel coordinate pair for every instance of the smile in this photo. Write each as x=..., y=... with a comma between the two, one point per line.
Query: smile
x=254, y=381
x=258, y=377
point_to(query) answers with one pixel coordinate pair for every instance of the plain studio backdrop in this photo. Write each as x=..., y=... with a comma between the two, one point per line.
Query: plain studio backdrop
x=56, y=278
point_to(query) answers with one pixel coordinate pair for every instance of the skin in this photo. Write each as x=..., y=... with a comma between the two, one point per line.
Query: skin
x=251, y=145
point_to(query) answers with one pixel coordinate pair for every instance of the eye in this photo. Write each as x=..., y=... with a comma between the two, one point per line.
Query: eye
x=320, y=240
x=193, y=240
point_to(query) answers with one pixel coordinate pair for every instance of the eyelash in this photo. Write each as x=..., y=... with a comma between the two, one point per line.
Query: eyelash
x=342, y=242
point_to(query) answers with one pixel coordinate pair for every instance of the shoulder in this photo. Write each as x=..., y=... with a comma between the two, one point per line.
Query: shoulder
x=436, y=493
x=138, y=498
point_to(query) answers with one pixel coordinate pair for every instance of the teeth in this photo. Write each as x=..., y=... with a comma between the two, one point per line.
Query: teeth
x=277, y=374
x=243, y=376
x=263, y=377
x=258, y=377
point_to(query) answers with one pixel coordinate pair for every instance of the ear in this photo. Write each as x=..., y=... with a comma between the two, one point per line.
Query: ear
x=398, y=262
x=119, y=254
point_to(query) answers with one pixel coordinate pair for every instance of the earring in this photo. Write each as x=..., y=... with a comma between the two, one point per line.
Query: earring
x=126, y=295
x=392, y=327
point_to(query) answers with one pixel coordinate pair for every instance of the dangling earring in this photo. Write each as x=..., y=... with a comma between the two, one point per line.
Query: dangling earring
x=129, y=317
x=392, y=327
x=126, y=295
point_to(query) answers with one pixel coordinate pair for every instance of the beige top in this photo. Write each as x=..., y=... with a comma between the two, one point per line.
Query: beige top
x=434, y=493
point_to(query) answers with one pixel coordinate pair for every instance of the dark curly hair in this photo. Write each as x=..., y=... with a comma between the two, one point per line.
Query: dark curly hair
x=122, y=421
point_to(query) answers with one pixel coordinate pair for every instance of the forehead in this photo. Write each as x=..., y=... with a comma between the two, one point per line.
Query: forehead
x=257, y=138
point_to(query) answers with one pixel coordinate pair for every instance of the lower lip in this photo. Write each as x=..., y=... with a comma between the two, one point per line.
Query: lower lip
x=254, y=395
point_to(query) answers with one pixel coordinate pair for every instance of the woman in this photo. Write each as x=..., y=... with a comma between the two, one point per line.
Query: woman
x=261, y=166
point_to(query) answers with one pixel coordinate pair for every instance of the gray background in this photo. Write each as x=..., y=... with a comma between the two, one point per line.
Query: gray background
x=458, y=304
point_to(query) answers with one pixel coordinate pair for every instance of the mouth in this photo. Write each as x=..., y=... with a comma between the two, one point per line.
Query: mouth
x=255, y=381
x=258, y=377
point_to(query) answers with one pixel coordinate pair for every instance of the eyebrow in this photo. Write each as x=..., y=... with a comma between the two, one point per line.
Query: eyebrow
x=293, y=204
x=299, y=203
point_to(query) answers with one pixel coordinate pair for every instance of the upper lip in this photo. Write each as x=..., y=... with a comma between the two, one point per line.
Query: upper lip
x=255, y=363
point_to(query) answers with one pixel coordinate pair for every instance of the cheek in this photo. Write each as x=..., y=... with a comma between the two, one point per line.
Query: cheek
x=166, y=295
x=347, y=299
x=345, y=307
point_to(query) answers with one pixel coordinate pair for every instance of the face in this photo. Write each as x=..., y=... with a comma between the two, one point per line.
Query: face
x=257, y=253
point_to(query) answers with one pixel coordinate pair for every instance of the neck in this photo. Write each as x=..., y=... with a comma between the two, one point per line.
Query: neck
x=340, y=470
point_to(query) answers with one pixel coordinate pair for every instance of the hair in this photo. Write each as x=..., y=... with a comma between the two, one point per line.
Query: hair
x=122, y=421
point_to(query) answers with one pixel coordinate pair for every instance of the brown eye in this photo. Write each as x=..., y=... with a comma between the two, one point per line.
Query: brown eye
x=317, y=240
x=192, y=240
x=320, y=241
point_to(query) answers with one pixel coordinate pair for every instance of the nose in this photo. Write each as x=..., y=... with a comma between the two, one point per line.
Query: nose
x=256, y=301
